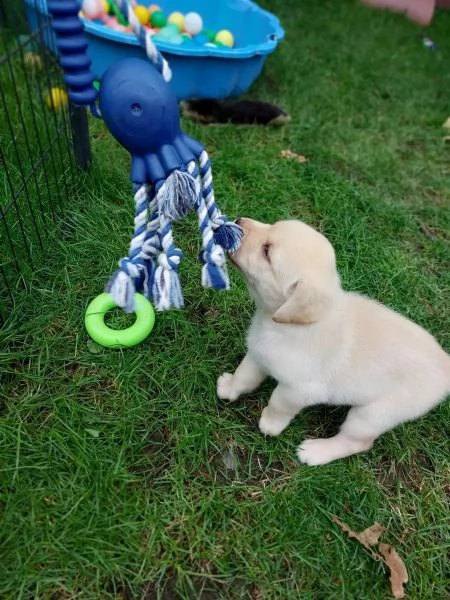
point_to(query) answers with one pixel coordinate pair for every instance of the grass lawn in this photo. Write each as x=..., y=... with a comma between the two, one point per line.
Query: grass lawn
x=121, y=474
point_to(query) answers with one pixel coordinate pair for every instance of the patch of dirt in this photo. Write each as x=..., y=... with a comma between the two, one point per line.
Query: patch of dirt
x=209, y=587
x=323, y=421
x=435, y=196
x=203, y=314
x=156, y=457
x=411, y=474
x=252, y=470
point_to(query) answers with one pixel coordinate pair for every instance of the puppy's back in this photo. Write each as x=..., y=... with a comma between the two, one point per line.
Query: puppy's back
x=399, y=346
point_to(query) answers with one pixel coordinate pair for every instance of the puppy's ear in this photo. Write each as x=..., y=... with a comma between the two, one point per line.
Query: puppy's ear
x=306, y=304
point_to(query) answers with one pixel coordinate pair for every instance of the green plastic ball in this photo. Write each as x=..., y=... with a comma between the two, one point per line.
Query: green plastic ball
x=210, y=34
x=158, y=19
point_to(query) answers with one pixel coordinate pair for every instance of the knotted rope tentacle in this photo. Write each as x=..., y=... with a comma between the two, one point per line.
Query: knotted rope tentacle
x=144, y=39
x=151, y=246
x=166, y=282
x=226, y=233
x=129, y=277
x=214, y=270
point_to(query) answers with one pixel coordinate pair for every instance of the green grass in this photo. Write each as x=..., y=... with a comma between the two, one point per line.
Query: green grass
x=121, y=474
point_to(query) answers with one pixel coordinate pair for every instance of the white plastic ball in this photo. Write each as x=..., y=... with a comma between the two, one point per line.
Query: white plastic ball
x=92, y=9
x=193, y=23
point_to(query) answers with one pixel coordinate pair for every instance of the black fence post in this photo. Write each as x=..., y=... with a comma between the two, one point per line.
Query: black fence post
x=80, y=136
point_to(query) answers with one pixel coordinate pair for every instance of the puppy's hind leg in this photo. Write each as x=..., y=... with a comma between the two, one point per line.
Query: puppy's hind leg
x=363, y=425
x=247, y=377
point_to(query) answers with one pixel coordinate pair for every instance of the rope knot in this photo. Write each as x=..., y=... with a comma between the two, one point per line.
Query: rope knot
x=131, y=267
x=170, y=260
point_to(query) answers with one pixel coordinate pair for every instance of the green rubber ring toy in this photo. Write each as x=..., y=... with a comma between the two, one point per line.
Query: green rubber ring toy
x=94, y=322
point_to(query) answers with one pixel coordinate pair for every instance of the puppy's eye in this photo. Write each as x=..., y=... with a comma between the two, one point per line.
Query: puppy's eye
x=266, y=251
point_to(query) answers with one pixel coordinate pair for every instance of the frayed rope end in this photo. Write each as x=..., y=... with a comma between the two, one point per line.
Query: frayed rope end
x=228, y=235
x=125, y=282
x=214, y=270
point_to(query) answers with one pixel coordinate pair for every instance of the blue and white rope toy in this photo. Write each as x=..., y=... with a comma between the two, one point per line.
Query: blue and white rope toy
x=170, y=171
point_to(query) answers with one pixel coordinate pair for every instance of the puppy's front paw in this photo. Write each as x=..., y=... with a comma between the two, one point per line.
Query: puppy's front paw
x=225, y=388
x=271, y=424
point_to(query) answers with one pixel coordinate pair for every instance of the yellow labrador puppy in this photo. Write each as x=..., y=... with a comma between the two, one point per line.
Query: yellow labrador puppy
x=325, y=345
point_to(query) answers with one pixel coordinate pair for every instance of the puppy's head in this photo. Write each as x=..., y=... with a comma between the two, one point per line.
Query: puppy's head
x=290, y=270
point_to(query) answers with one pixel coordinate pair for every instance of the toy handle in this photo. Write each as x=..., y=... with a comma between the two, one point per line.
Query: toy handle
x=72, y=46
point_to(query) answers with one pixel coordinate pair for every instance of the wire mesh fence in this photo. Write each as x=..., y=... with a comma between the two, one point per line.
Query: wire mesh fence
x=43, y=142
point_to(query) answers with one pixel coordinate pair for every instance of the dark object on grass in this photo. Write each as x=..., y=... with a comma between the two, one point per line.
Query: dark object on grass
x=243, y=112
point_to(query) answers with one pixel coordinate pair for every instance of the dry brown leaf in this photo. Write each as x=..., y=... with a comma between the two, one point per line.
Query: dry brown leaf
x=289, y=154
x=399, y=574
x=368, y=538
x=371, y=535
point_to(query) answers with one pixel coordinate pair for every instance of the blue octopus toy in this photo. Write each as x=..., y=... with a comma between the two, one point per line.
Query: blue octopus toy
x=170, y=171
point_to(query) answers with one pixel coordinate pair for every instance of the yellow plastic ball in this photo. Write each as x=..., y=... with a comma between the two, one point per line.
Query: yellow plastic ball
x=105, y=7
x=176, y=18
x=142, y=13
x=225, y=37
x=57, y=98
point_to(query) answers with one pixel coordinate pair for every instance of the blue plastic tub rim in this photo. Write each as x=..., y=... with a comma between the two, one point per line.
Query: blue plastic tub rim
x=265, y=47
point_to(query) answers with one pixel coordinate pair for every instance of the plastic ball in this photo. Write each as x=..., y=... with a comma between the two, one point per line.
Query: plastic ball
x=176, y=18
x=187, y=41
x=210, y=34
x=173, y=28
x=176, y=39
x=33, y=60
x=153, y=8
x=158, y=19
x=193, y=23
x=105, y=6
x=200, y=39
x=112, y=23
x=57, y=98
x=142, y=13
x=166, y=33
x=225, y=37
x=92, y=9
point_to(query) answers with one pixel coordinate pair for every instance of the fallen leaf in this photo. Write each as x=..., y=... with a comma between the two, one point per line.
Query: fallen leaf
x=371, y=535
x=229, y=460
x=289, y=154
x=93, y=432
x=93, y=347
x=368, y=538
x=399, y=574
x=446, y=124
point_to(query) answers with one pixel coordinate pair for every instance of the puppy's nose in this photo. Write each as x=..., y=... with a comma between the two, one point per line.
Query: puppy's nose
x=239, y=222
